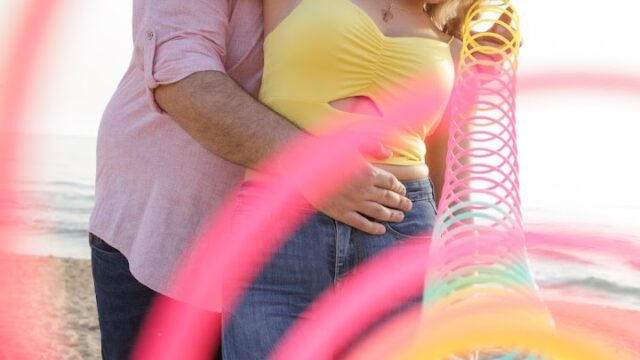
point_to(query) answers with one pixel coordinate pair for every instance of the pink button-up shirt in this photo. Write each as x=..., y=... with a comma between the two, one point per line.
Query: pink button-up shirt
x=156, y=186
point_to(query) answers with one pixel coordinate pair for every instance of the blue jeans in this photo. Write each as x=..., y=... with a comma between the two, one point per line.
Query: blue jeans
x=123, y=302
x=313, y=259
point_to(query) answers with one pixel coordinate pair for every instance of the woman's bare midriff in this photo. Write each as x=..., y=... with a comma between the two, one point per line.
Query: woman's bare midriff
x=365, y=106
x=401, y=172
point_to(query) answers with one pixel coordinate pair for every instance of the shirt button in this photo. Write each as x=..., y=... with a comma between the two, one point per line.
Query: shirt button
x=149, y=35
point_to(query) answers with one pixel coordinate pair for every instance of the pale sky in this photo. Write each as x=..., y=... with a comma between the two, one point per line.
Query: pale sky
x=578, y=149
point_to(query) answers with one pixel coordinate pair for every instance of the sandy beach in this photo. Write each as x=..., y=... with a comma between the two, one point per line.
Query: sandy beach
x=50, y=313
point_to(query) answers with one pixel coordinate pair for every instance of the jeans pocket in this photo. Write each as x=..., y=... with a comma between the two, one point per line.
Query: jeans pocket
x=100, y=247
x=418, y=221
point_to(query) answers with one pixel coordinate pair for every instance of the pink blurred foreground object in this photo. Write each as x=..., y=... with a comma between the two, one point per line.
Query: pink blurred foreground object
x=22, y=333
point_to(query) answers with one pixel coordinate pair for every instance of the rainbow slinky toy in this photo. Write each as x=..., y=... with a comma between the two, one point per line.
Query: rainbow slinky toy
x=478, y=255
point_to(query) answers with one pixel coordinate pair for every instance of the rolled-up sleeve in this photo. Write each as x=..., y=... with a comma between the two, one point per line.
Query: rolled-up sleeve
x=179, y=38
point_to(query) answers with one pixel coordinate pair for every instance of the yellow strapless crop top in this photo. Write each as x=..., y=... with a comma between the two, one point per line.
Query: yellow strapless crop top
x=327, y=50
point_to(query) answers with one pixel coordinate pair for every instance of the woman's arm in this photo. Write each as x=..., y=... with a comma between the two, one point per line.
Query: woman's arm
x=437, y=155
x=436, y=158
x=438, y=141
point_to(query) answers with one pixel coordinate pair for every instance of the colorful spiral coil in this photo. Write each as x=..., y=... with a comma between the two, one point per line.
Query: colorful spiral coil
x=478, y=252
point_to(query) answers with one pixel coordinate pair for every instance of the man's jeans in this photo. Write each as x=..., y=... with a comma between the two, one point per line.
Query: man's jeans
x=313, y=259
x=123, y=302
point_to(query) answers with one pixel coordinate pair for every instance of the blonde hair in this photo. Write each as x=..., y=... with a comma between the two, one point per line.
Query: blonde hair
x=449, y=15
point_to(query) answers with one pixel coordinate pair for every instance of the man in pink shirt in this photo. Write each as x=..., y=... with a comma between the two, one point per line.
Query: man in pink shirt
x=175, y=139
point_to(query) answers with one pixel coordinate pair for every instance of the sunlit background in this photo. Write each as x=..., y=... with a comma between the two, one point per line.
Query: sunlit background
x=578, y=148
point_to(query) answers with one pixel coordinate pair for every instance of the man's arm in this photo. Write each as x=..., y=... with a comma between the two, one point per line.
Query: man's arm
x=224, y=118
x=230, y=123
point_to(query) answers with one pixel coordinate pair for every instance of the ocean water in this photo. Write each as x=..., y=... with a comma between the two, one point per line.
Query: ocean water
x=56, y=194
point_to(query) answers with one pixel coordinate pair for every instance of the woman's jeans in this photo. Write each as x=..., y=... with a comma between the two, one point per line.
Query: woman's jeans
x=313, y=259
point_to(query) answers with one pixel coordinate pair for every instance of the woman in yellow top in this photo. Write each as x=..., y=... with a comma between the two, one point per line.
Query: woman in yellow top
x=347, y=60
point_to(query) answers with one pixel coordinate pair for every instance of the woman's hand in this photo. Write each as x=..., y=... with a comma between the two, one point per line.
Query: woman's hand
x=373, y=196
x=488, y=50
x=504, y=27
x=456, y=29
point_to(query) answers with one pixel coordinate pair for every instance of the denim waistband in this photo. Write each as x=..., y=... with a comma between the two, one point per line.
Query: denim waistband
x=418, y=189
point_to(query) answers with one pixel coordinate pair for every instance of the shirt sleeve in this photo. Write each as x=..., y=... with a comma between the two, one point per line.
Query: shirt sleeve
x=179, y=38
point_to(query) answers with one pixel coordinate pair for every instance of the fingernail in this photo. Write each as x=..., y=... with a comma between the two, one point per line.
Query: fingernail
x=380, y=229
x=409, y=204
x=399, y=216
